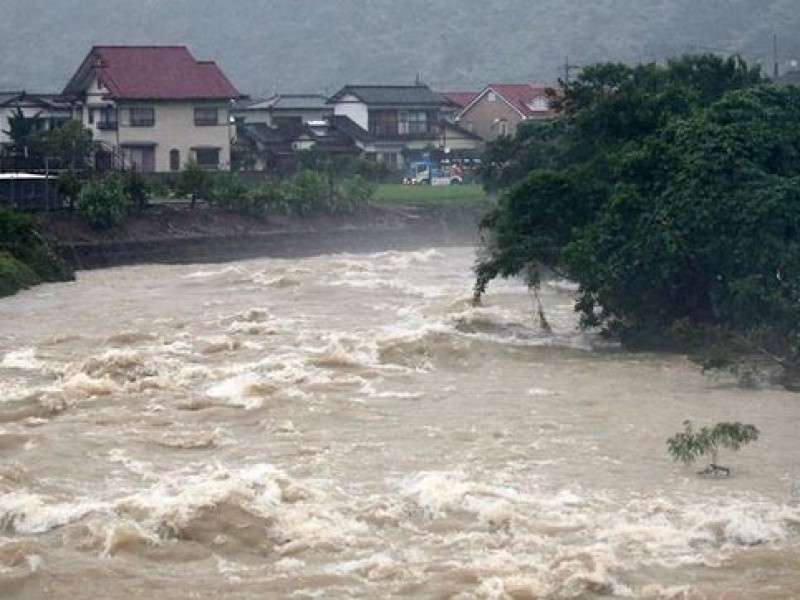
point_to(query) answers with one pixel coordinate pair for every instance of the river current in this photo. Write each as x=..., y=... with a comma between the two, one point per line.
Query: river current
x=350, y=426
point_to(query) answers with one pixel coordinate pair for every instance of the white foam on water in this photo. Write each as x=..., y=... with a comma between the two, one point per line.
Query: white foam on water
x=245, y=390
x=29, y=513
x=24, y=359
x=81, y=384
x=229, y=274
x=577, y=541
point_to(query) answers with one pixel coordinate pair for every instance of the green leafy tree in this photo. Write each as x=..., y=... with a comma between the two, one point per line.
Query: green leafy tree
x=195, y=182
x=69, y=146
x=675, y=205
x=691, y=444
x=230, y=193
x=136, y=188
x=22, y=131
x=104, y=203
x=69, y=186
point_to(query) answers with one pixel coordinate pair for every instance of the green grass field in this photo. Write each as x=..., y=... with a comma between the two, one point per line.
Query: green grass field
x=393, y=193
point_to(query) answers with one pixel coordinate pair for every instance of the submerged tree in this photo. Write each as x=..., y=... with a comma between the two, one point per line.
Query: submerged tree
x=690, y=445
x=675, y=205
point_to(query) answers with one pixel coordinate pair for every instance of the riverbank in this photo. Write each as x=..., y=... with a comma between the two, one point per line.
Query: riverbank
x=168, y=234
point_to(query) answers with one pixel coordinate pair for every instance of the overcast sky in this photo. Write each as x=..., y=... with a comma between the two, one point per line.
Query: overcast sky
x=269, y=46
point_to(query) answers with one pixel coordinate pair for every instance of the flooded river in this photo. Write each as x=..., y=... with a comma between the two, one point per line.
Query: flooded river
x=349, y=426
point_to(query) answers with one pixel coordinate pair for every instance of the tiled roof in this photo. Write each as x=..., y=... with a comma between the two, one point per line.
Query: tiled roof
x=8, y=97
x=286, y=102
x=519, y=96
x=459, y=99
x=300, y=102
x=153, y=73
x=351, y=129
x=53, y=101
x=391, y=95
x=282, y=136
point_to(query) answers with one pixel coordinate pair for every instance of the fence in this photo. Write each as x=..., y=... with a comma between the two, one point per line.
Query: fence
x=30, y=191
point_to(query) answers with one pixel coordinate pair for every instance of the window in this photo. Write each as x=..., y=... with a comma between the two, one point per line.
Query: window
x=502, y=127
x=207, y=157
x=383, y=122
x=141, y=158
x=539, y=104
x=412, y=122
x=143, y=116
x=174, y=160
x=206, y=115
x=108, y=118
x=491, y=97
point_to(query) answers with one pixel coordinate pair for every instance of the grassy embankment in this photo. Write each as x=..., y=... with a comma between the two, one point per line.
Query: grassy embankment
x=390, y=193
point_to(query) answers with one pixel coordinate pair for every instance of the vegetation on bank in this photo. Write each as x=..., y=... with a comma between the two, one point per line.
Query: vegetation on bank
x=671, y=195
x=25, y=258
x=395, y=193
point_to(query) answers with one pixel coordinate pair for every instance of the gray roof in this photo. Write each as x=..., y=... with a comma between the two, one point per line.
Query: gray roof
x=46, y=100
x=287, y=102
x=351, y=129
x=391, y=95
x=300, y=101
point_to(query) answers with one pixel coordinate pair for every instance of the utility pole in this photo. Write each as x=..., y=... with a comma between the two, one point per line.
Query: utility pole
x=775, y=71
x=568, y=68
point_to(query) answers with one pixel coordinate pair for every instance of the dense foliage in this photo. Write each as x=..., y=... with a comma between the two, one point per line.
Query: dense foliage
x=673, y=199
x=32, y=146
x=25, y=258
x=104, y=203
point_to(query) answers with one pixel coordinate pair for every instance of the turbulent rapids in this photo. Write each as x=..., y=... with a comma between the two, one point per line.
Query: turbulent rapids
x=350, y=426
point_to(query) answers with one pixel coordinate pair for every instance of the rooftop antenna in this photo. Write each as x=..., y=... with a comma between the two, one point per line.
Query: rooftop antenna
x=416, y=78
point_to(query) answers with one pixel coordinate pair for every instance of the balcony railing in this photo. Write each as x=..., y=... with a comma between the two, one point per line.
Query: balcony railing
x=107, y=125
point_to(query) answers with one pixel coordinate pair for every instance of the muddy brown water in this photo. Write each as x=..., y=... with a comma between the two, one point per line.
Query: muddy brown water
x=349, y=426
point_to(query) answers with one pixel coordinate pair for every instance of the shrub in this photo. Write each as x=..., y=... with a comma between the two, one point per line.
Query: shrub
x=310, y=193
x=195, y=182
x=103, y=204
x=136, y=188
x=355, y=194
x=228, y=192
x=272, y=196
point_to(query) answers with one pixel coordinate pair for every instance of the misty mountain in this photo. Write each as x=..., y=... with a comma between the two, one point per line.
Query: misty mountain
x=319, y=45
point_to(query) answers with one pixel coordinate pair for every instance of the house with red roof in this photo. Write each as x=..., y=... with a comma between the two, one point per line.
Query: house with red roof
x=499, y=108
x=155, y=108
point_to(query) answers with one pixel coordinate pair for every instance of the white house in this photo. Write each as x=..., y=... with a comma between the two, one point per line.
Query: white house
x=155, y=107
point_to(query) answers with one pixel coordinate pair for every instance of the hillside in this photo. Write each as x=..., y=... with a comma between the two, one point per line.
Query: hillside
x=318, y=46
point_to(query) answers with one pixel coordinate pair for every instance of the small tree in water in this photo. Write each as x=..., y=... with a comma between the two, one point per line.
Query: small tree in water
x=689, y=445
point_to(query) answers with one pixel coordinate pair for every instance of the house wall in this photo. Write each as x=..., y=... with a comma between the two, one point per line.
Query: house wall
x=456, y=140
x=485, y=116
x=351, y=107
x=173, y=129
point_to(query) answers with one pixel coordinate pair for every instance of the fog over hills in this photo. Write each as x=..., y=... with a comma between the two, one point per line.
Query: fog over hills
x=319, y=45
